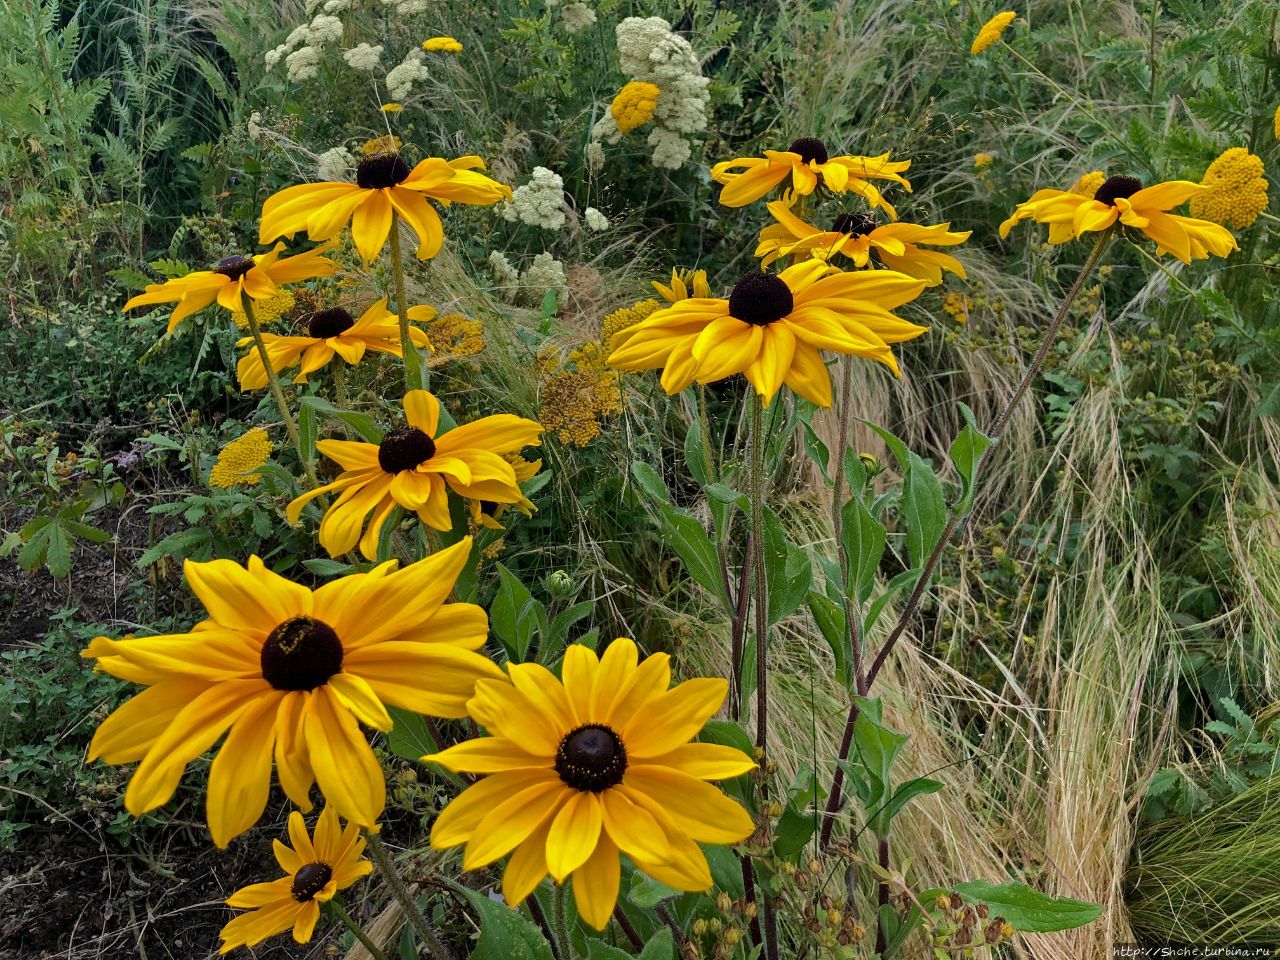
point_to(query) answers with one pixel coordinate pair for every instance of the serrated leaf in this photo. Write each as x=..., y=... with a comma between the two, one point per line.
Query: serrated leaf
x=504, y=933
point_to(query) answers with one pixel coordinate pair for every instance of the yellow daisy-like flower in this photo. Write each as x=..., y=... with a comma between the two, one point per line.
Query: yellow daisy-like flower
x=1124, y=200
x=384, y=184
x=748, y=179
x=392, y=107
x=331, y=332
x=231, y=279
x=991, y=31
x=856, y=236
x=684, y=284
x=442, y=45
x=634, y=105
x=1237, y=190
x=315, y=869
x=488, y=513
x=772, y=329
x=1087, y=184
x=413, y=468
x=238, y=460
x=291, y=673
x=583, y=769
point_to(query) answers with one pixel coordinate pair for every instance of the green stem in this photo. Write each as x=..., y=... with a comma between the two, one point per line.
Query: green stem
x=273, y=380
x=415, y=371
x=1153, y=65
x=382, y=861
x=356, y=929
x=561, y=921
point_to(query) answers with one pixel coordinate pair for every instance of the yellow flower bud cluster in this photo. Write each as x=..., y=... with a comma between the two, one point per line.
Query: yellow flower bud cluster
x=957, y=306
x=267, y=311
x=577, y=394
x=1237, y=190
x=1087, y=184
x=991, y=31
x=634, y=105
x=626, y=317
x=239, y=458
x=453, y=336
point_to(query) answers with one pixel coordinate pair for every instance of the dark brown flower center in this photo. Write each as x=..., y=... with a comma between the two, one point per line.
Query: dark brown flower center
x=810, y=149
x=488, y=507
x=310, y=880
x=301, y=654
x=329, y=323
x=234, y=267
x=854, y=224
x=591, y=758
x=1116, y=187
x=760, y=298
x=404, y=450
x=380, y=171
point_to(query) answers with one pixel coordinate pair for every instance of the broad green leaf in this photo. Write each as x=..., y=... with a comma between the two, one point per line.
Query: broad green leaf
x=650, y=482
x=1030, y=911
x=863, y=538
x=829, y=616
x=966, y=453
x=695, y=454
x=647, y=892
x=325, y=567
x=514, y=614
x=409, y=737
x=691, y=543
x=787, y=570
x=919, y=787
x=307, y=430
x=362, y=423
x=924, y=509
x=504, y=933
x=793, y=830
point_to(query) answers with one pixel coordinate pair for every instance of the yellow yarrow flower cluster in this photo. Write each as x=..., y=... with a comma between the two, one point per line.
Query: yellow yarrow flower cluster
x=625, y=317
x=1237, y=190
x=385, y=144
x=634, y=105
x=266, y=311
x=1277, y=122
x=442, y=45
x=577, y=394
x=957, y=306
x=240, y=458
x=454, y=335
x=981, y=160
x=991, y=31
x=1087, y=184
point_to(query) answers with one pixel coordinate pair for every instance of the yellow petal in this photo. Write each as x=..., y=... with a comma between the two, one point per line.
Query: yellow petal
x=240, y=777
x=595, y=885
x=573, y=834
x=346, y=770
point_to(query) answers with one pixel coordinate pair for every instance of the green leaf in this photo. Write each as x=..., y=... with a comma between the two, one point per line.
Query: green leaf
x=362, y=423
x=829, y=617
x=325, y=567
x=694, y=547
x=650, y=482
x=793, y=831
x=966, y=453
x=515, y=615
x=924, y=509
x=787, y=570
x=409, y=737
x=307, y=430
x=504, y=933
x=1030, y=911
x=695, y=453
x=862, y=537
x=647, y=892
x=659, y=947
x=919, y=787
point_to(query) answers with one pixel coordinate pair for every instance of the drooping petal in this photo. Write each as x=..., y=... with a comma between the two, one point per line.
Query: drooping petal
x=595, y=884
x=346, y=769
x=240, y=776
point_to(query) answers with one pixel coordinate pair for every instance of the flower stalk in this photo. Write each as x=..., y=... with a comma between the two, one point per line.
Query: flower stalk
x=357, y=931
x=382, y=860
x=415, y=371
x=273, y=380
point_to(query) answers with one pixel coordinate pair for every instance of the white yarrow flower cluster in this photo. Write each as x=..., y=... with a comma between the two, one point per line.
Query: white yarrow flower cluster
x=539, y=203
x=506, y=278
x=407, y=8
x=649, y=51
x=366, y=57
x=543, y=274
x=596, y=221
x=302, y=49
x=401, y=78
x=335, y=164
x=577, y=16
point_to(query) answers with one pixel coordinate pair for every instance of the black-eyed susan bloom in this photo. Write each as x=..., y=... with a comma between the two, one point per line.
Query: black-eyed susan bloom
x=581, y=769
x=290, y=673
x=1125, y=200
x=772, y=329
x=899, y=246
x=315, y=869
x=230, y=280
x=385, y=183
x=807, y=163
x=414, y=468
x=488, y=513
x=684, y=284
x=331, y=332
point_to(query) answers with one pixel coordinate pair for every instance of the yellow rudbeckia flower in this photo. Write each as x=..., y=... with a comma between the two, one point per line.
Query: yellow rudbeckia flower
x=331, y=332
x=414, y=468
x=488, y=513
x=289, y=672
x=231, y=279
x=684, y=284
x=315, y=869
x=1125, y=200
x=597, y=764
x=856, y=236
x=805, y=161
x=384, y=183
x=772, y=329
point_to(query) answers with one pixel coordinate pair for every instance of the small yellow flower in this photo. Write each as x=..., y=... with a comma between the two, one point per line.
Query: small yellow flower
x=981, y=160
x=991, y=31
x=1087, y=184
x=454, y=336
x=957, y=306
x=442, y=45
x=625, y=317
x=239, y=458
x=1237, y=190
x=267, y=311
x=634, y=105
x=385, y=144
x=1277, y=122
x=392, y=107
x=578, y=393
